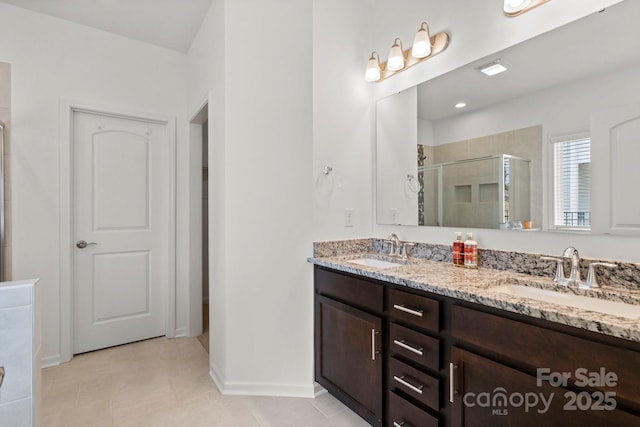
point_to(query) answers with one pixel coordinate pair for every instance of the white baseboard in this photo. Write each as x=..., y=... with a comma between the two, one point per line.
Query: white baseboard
x=50, y=361
x=181, y=332
x=261, y=389
x=218, y=380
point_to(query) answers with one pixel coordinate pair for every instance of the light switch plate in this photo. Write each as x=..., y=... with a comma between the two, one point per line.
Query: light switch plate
x=393, y=214
x=348, y=217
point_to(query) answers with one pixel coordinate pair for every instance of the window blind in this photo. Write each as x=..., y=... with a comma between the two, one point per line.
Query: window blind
x=572, y=183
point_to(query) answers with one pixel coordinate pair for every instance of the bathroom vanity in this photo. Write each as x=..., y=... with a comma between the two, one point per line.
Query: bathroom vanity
x=428, y=344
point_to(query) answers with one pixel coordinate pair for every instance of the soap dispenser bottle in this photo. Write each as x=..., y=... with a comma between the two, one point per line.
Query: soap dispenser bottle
x=458, y=250
x=470, y=252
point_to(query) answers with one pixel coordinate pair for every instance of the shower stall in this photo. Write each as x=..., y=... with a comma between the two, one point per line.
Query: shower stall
x=484, y=192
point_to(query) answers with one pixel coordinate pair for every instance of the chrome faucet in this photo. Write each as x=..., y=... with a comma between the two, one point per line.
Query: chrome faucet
x=394, y=249
x=574, y=256
x=559, y=275
x=591, y=281
x=574, y=279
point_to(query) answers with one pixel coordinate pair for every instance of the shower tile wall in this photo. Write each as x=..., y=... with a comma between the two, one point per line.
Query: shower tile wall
x=5, y=116
x=525, y=143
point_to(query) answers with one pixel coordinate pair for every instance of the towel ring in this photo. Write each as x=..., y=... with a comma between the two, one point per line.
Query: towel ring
x=413, y=183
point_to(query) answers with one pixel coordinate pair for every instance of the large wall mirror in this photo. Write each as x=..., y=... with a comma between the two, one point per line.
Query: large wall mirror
x=486, y=164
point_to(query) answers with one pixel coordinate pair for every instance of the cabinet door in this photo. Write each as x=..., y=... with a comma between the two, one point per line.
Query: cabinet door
x=486, y=393
x=348, y=359
x=614, y=171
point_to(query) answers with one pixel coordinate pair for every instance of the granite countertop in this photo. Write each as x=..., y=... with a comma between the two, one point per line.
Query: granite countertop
x=478, y=286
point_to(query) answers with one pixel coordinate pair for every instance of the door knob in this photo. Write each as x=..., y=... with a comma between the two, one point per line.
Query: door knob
x=83, y=244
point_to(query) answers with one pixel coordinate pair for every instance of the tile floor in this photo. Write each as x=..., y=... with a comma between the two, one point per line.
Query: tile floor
x=165, y=383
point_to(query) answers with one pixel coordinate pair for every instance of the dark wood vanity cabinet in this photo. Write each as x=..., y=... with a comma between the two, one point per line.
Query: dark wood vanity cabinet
x=413, y=359
x=364, y=329
x=516, y=373
x=348, y=341
x=488, y=393
x=409, y=358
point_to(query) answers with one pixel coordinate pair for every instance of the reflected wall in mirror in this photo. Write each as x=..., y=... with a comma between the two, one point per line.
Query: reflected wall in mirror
x=552, y=86
x=461, y=187
x=396, y=165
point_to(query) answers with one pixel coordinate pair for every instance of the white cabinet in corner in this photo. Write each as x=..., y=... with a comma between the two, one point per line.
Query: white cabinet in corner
x=20, y=353
x=615, y=171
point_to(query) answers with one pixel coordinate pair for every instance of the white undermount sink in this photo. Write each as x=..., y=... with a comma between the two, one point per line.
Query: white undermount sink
x=375, y=263
x=613, y=308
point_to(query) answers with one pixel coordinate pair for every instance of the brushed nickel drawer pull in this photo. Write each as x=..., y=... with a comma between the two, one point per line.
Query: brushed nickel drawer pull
x=373, y=344
x=403, y=344
x=406, y=309
x=401, y=424
x=452, y=379
x=401, y=380
x=1, y=375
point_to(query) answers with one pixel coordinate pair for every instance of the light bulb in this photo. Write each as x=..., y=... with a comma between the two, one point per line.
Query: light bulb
x=514, y=6
x=396, y=57
x=372, y=73
x=422, y=42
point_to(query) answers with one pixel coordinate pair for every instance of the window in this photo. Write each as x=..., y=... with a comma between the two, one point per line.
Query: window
x=572, y=184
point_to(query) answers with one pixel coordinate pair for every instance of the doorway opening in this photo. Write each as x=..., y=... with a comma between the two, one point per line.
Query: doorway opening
x=204, y=338
x=200, y=237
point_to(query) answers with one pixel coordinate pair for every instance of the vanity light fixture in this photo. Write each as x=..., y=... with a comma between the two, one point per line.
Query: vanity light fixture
x=461, y=105
x=422, y=42
x=424, y=47
x=396, y=56
x=518, y=7
x=372, y=73
x=493, y=68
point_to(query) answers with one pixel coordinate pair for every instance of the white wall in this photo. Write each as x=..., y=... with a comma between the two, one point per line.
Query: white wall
x=206, y=78
x=477, y=30
x=50, y=59
x=277, y=117
x=343, y=118
x=260, y=204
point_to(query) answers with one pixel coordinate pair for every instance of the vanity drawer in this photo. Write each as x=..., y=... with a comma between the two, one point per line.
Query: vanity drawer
x=349, y=289
x=415, y=346
x=405, y=414
x=537, y=347
x=414, y=383
x=414, y=309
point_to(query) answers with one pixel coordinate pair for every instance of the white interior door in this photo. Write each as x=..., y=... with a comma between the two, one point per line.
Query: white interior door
x=122, y=212
x=615, y=171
